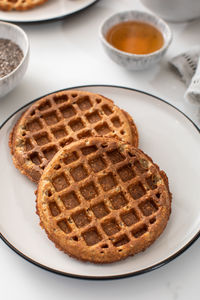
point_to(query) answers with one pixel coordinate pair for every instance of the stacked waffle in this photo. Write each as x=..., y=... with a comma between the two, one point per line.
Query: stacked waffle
x=99, y=197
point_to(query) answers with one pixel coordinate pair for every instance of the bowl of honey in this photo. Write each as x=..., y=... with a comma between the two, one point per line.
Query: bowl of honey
x=135, y=40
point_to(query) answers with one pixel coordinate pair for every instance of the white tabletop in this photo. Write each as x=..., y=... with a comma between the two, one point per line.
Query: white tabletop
x=68, y=53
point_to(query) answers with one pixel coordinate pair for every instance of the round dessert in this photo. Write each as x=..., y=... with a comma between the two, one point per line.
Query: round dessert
x=61, y=118
x=8, y=5
x=101, y=200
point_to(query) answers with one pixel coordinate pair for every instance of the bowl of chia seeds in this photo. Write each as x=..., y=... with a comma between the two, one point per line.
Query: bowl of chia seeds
x=14, y=56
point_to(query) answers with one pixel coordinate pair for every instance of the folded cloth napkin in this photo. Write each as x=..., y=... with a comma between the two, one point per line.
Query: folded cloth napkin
x=188, y=66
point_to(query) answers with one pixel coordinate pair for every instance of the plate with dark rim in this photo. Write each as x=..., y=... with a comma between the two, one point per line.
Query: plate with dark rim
x=50, y=11
x=173, y=142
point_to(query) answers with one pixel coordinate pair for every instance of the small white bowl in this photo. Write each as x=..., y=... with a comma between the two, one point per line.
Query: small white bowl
x=18, y=36
x=174, y=10
x=135, y=61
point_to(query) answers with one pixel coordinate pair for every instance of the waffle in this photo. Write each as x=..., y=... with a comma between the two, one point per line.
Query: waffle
x=8, y=5
x=101, y=200
x=60, y=118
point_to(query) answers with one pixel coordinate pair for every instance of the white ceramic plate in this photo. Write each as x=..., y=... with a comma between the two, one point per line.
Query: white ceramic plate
x=51, y=10
x=173, y=142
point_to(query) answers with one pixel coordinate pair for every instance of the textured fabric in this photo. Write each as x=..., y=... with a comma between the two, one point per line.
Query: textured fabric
x=188, y=66
x=193, y=92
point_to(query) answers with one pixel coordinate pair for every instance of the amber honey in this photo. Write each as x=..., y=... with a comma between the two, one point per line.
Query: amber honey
x=135, y=37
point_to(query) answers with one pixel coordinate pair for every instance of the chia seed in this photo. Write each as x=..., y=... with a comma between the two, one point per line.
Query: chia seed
x=10, y=56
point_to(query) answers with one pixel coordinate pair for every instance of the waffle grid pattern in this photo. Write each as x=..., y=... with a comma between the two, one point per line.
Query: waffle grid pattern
x=19, y=4
x=62, y=118
x=124, y=198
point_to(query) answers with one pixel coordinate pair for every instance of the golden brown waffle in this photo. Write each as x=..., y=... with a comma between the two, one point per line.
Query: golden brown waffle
x=60, y=118
x=101, y=200
x=8, y=5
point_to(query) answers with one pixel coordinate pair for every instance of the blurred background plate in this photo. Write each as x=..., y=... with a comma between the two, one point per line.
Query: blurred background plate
x=49, y=11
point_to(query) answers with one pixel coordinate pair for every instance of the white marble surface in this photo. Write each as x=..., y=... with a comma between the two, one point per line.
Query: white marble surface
x=68, y=53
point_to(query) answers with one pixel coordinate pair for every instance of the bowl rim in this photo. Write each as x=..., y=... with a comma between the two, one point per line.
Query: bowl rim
x=25, y=53
x=167, y=40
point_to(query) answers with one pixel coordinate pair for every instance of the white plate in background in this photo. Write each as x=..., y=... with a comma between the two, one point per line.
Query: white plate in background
x=50, y=10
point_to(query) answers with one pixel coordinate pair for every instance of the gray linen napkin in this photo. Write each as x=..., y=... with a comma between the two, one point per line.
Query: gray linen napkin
x=188, y=66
